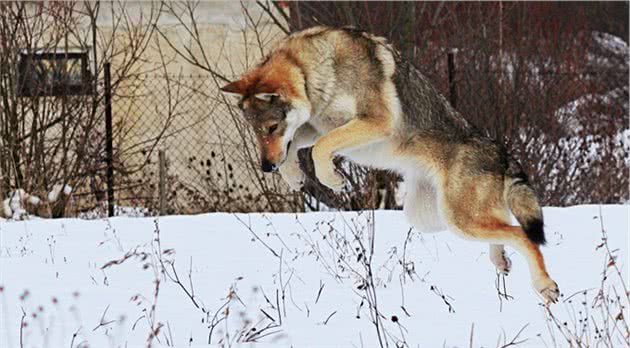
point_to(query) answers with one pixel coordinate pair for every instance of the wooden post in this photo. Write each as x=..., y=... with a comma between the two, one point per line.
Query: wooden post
x=451, y=79
x=109, y=148
x=162, y=189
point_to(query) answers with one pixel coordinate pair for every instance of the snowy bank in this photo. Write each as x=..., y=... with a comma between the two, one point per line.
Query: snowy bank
x=298, y=280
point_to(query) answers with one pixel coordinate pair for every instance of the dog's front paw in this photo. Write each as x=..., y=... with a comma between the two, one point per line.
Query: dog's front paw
x=292, y=175
x=295, y=182
x=548, y=289
x=330, y=178
x=325, y=169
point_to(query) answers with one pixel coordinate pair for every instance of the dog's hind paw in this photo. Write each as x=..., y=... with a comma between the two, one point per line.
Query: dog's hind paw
x=502, y=263
x=549, y=290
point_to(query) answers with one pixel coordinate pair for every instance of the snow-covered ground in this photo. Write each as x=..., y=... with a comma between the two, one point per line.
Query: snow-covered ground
x=300, y=280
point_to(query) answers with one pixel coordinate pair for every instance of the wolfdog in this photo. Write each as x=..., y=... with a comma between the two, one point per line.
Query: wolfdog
x=346, y=92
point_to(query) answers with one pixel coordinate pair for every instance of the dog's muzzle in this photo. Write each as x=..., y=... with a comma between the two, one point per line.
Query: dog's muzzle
x=267, y=166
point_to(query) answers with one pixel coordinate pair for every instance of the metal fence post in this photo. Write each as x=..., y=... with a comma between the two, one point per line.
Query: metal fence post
x=162, y=184
x=451, y=78
x=109, y=148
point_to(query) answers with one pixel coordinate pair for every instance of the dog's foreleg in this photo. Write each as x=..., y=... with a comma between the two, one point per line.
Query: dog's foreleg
x=355, y=133
x=290, y=170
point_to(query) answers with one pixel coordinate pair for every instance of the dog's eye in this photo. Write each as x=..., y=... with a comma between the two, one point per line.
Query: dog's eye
x=273, y=128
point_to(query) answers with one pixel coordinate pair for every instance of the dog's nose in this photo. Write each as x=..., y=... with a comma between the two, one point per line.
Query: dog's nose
x=267, y=166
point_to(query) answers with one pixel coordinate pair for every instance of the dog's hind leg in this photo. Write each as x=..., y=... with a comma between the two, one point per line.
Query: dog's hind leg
x=499, y=259
x=497, y=253
x=494, y=230
x=476, y=209
x=421, y=205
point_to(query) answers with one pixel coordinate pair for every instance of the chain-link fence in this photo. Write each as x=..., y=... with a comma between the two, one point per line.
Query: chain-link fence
x=210, y=160
x=178, y=146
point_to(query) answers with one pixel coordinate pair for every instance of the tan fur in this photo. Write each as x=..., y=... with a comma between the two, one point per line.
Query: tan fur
x=270, y=147
x=476, y=207
x=341, y=90
x=357, y=132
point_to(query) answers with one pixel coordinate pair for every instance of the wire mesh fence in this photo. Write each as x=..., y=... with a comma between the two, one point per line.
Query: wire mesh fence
x=211, y=156
x=556, y=93
x=210, y=159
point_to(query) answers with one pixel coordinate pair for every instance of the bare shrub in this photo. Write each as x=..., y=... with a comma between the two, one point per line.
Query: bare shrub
x=162, y=263
x=599, y=315
x=58, y=139
x=525, y=73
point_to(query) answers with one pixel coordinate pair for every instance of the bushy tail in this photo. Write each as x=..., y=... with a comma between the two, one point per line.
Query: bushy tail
x=523, y=203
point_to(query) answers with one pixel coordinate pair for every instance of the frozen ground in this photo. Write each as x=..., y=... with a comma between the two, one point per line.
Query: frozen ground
x=301, y=280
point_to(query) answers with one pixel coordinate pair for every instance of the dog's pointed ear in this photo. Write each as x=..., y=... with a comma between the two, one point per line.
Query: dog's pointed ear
x=238, y=87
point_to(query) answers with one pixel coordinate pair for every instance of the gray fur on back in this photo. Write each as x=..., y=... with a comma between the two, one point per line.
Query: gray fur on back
x=425, y=109
x=426, y=112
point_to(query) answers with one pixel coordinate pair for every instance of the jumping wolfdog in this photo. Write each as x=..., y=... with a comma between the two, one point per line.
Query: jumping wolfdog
x=345, y=92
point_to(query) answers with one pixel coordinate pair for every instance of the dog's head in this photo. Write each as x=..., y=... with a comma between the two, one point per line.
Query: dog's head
x=272, y=99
